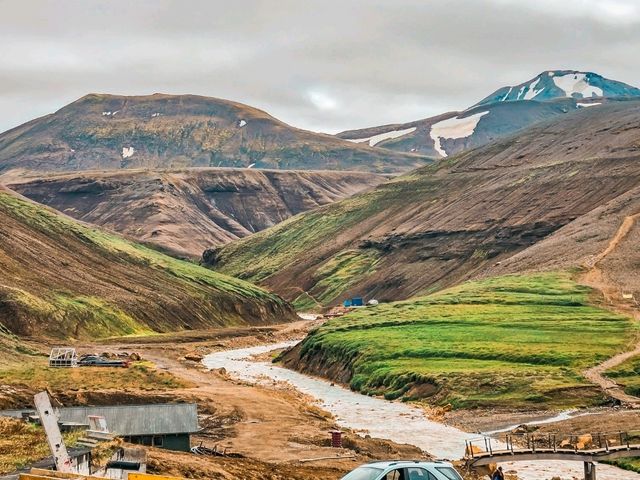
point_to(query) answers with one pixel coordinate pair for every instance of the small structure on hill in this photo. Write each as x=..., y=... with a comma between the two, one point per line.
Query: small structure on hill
x=353, y=302
x=63, y=357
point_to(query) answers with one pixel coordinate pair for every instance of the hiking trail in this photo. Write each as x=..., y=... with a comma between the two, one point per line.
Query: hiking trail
x=595, y=278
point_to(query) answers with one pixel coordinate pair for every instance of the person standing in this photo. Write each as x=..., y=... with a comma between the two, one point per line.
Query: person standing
x=497, y=474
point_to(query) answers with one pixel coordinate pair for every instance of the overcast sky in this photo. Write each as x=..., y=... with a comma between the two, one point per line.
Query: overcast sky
x=324, y=65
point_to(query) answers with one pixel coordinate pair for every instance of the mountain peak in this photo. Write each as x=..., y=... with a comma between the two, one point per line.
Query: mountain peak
x=553, y=84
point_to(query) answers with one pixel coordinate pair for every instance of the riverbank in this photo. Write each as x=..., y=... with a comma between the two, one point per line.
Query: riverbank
x=274, y=424
x=378, y=417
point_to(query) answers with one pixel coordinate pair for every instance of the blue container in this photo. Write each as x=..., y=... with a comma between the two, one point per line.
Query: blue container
x=347, y=303
x=356, y=302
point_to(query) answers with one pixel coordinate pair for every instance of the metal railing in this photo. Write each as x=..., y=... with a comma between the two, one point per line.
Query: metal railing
x=556, y=442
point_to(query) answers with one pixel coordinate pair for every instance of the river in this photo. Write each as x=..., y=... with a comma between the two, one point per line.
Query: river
x=397, y=421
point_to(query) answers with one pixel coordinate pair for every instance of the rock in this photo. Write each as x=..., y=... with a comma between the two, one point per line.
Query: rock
x=193, y=357
x=135, y=357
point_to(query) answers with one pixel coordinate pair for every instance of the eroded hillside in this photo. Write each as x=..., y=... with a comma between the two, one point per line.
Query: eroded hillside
x=186, y=211
x=472, y=215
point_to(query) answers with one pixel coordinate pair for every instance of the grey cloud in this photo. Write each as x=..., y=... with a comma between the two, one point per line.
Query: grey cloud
x=324, y=65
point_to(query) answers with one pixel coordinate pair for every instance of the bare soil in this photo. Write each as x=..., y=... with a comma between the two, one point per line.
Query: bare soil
x=278, y=431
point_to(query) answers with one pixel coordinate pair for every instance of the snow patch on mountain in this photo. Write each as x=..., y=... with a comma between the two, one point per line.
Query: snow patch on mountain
x=127, y=152
x=452, y=128
x=532, y=92
x=375, y=139
x=577, y=83
x=584, y=105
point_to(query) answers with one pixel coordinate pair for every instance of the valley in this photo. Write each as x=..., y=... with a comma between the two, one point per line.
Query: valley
x=500, y=245
x=184, y=212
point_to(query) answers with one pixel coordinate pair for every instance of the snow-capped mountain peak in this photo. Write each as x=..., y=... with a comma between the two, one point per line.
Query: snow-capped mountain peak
x=553, y=84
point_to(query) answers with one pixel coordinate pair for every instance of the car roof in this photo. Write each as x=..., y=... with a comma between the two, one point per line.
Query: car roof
x=408, y=463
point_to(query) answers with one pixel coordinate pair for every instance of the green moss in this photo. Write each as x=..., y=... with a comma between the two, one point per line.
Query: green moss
x=631, y=464
x=516, y=340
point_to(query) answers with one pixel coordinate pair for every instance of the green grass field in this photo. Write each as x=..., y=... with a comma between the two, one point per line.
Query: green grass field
x=627, y=375
x=35, y=374
x=513, y=341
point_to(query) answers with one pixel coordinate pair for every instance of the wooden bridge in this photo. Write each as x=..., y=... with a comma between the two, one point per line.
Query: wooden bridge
x=587, y=448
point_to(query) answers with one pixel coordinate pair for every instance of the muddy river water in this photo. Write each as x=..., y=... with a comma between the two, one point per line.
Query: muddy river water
x=380, y=418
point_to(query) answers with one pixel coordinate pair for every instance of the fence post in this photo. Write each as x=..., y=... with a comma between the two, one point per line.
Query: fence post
x=589, y=471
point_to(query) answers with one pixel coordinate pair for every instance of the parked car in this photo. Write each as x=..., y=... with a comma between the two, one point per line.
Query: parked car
x=404, y=470
x=98, y=361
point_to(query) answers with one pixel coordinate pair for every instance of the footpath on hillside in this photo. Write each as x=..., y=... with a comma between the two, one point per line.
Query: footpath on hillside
x=595, y=278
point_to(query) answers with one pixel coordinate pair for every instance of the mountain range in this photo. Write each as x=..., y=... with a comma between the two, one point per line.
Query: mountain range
x=550, y=197
x=506, y=111
x=531, y=183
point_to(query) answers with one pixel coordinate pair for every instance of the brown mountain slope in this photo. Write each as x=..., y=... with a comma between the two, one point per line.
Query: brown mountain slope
x=605, y=243
x=177, y=131
x=463, y=218
x=62, y=279
x=187, y=211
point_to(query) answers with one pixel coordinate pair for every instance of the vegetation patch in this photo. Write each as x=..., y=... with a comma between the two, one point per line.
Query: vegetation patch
x=259, y=256
x=36, y=375
x=24, y=443
x=338, y=274
x=517, y=340
x=631, y=464
x=627, y=374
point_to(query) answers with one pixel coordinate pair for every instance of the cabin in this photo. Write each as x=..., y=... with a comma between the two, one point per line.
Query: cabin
x=166, y=425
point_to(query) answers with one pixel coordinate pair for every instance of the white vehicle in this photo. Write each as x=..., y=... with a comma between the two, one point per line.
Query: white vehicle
x=404, y=470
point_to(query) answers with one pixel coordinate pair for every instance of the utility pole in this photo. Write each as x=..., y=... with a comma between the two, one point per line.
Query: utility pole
x=49, y=422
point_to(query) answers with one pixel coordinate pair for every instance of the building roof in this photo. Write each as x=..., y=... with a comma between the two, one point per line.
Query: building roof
x=133, y=420
x=126, y=420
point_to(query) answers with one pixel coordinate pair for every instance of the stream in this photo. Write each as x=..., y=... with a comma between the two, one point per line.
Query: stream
x=397, y=421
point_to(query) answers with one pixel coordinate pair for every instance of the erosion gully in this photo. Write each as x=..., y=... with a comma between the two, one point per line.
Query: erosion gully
x=397, y=421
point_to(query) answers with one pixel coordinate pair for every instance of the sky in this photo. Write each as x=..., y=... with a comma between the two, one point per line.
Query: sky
x=325, y=65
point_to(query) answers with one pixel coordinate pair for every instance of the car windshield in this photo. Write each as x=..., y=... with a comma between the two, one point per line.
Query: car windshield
x=449, y=472
x=363, y=473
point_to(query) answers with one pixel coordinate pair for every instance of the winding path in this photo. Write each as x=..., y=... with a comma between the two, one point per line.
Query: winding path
x=594, y=277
